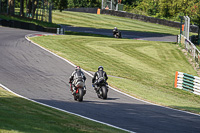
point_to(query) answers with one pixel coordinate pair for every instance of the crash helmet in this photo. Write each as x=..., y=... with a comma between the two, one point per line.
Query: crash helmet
x=77, y=68
x=100, y=68
x=115, y=28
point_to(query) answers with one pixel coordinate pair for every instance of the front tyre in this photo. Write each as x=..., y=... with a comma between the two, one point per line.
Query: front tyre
x=80, y=95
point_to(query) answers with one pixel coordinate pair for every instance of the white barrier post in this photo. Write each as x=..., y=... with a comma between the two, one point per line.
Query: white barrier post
x=117, y=6
x=58, y=30
x=61, y=30
x=185, y=25
x=111, y=4
x=188, y=28
x=102, y=4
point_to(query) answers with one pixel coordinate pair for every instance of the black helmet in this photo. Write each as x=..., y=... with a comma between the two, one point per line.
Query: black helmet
x=100, y=68
x=77, y=68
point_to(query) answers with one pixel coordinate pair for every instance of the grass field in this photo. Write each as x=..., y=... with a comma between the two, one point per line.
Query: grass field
x=20, y=115
x=147, y=69
x=109, y=22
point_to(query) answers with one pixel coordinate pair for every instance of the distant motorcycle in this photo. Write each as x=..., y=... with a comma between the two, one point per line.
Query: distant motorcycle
x=80, y=92
x=102, y=90
x=117, y=35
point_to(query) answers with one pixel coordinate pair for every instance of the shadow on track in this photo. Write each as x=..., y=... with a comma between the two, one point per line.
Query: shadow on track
x=142, y=118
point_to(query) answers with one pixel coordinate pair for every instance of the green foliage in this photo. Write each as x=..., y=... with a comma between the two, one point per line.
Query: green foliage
x=195, y=12
x=17, y=3
x=62, y=4
x=131, y=2
x=84, y=3
x=148, y=6
x=170, y=9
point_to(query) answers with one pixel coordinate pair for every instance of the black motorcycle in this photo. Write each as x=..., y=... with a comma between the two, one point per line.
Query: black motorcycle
x=101, y=89
x=117, y=35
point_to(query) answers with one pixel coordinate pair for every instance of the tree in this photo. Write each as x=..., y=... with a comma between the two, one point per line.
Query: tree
x=62, y=5
x=195, y=16
x=22, y=8
x=195, y=13
x=11, y=10
x=148, y=6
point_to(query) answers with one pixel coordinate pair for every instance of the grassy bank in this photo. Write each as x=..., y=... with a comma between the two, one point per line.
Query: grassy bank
x=147, y=68
x=20, y=115
x=80, y=19
x=109, y=22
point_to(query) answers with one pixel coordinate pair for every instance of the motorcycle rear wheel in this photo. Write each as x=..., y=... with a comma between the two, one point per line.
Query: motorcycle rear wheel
x=104, y=92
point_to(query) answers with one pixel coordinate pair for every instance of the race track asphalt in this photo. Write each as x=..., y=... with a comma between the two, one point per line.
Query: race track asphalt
x=125, y=34
x=34, y=73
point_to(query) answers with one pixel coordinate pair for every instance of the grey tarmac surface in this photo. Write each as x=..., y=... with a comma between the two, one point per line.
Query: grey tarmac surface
x=34, y=73
x=125, y=34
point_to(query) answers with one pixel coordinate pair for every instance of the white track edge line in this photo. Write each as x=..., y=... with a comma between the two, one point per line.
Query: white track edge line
x=64, y=110
x=109, y=86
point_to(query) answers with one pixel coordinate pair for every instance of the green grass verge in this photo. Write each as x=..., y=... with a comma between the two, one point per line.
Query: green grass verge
x=147, y=68
x=109, y=22
x=20, y=115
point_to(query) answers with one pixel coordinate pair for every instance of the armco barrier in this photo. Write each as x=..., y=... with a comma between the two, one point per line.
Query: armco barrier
x=24, y=25
x=5, y=23
x=17, y=24
x=190, y=47
x=187, y=82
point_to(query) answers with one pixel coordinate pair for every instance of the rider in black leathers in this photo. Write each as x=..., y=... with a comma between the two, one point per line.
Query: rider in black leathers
x=115, y=31
x=97, y=77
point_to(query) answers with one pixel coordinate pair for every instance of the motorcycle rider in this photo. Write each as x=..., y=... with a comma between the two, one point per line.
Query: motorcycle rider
x=99, y=77
x=77, y=74
x=115, y=31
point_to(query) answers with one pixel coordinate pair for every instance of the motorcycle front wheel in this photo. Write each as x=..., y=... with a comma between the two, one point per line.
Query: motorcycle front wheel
x=80, y=95
x=75, y=97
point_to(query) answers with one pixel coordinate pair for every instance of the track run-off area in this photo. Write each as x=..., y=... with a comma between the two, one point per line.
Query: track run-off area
x=39, y=75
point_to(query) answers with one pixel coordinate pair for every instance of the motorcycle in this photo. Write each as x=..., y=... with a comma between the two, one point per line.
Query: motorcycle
x=101, y=90
x=80, y=91
x=117, y=35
